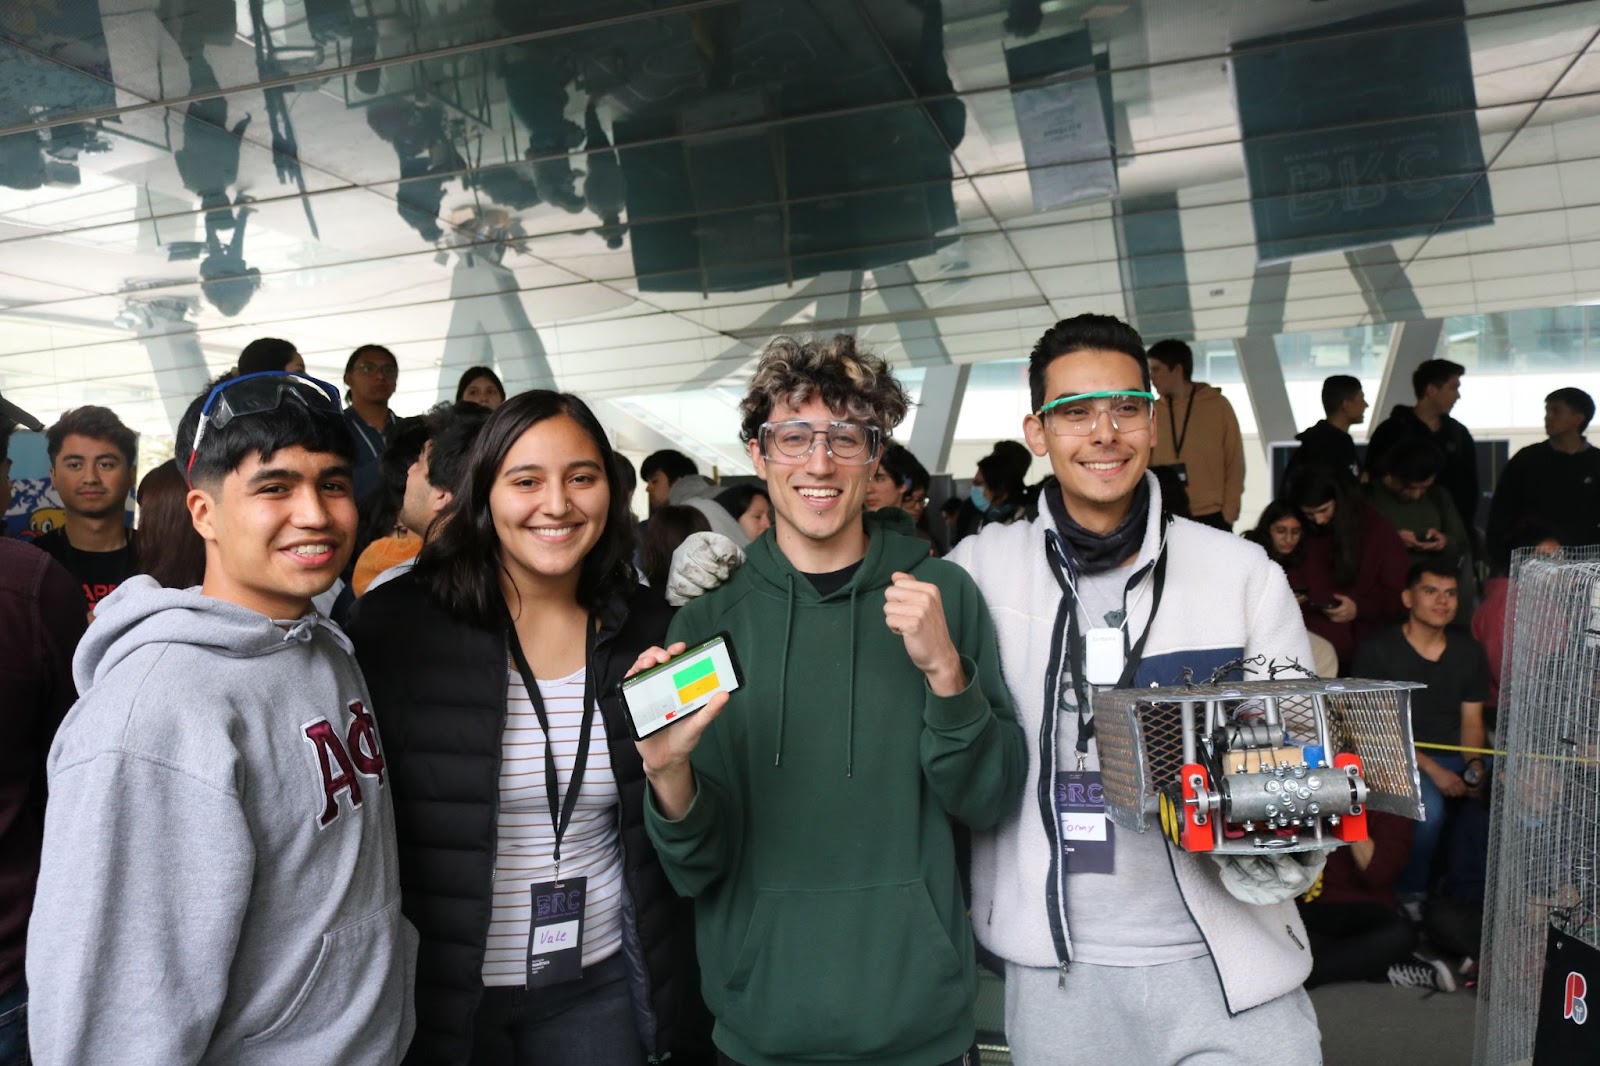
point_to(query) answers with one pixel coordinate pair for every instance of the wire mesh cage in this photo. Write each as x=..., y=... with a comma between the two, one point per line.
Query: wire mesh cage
x=1544, y=851
x=1253, y=739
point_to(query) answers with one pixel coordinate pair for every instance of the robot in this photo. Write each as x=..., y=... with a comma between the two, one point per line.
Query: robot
x=1254, y=767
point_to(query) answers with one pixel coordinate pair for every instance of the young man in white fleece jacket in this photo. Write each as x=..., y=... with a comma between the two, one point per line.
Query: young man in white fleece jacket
x=1131, y=951
x=219, y=881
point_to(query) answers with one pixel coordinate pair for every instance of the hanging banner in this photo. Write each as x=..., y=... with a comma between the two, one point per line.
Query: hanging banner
x=1065, y=126
x=1354, y=138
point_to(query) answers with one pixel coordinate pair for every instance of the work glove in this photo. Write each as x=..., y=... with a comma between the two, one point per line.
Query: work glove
x=1265, y=879
x=702, y=562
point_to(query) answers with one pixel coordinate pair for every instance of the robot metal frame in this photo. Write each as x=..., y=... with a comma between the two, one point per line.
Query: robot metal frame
x=1257, y=767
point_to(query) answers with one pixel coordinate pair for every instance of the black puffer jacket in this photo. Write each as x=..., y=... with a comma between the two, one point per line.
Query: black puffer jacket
x=439, y=692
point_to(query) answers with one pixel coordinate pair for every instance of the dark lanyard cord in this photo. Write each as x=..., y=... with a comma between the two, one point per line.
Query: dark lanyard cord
x=1172, y=423
x=1131, y=655
x=552, y=788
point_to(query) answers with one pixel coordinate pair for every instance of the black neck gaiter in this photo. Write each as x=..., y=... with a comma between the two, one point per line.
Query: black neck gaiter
x=1095, y=553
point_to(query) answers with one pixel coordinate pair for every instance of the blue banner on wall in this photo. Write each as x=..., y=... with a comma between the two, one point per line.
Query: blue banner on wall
x=1356, y=138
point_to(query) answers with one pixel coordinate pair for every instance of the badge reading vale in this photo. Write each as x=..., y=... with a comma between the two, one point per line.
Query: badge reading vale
x=555, y=936
x=1086, y=833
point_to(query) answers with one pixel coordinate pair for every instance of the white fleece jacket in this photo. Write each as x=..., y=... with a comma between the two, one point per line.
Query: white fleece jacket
x=1223, y=597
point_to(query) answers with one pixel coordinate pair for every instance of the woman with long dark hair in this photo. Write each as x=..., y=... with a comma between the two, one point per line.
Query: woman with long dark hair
x=1279, y=532
x=169, y=549
x=1354, y=566
x=495, y=663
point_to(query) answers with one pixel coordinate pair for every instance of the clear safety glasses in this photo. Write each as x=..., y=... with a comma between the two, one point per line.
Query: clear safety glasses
x=793, y=442
x=1077, y=416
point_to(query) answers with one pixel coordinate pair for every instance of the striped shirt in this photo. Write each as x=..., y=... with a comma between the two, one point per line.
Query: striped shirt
x=590, y=848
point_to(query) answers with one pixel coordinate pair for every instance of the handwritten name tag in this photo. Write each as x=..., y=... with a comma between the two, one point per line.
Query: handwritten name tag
x=1079, y=826
x=555, y=937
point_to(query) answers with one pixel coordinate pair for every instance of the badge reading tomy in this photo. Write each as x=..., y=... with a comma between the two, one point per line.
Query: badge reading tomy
x=1086, y=832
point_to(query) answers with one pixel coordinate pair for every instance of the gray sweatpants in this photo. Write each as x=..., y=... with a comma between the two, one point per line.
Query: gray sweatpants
x=1151, y=1016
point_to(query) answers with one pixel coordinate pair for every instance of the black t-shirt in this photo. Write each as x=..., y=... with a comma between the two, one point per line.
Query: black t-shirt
x=1460, y=676
x=829, y=583
x=99, y=572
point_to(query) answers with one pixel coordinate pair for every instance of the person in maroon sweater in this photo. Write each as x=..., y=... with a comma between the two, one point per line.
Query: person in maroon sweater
x=1352, y=915
x=42, y=615
x=1352, y=567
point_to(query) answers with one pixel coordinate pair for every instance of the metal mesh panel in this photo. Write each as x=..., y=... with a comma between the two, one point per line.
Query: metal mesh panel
x=1122, y=773
x=1140, y=734
x=1544, y=852
x=1377, y=727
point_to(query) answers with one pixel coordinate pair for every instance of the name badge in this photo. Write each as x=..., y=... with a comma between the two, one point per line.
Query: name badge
x=1087, y=835
x=555, y=936
x=1102, y=656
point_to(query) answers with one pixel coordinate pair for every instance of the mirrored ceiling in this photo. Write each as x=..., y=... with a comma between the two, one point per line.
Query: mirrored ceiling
x=627, y=199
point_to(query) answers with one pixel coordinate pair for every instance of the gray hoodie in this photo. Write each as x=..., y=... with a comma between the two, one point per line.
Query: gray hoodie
x=219, y=879
x=692, y=490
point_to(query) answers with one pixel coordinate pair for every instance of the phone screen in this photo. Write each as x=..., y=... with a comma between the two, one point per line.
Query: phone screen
x=679, y=687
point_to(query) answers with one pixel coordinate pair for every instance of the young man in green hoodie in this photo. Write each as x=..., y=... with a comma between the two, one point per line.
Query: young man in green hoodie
x=810, y=815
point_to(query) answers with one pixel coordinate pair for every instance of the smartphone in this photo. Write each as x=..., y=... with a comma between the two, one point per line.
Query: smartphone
x=680, y=686
x=1329, y=606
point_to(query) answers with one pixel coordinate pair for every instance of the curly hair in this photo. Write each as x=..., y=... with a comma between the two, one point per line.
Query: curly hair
x=835, y=371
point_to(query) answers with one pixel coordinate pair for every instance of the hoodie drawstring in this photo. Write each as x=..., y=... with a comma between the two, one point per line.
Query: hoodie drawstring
x=783, y=672
x=302, y=630
x=850, y=693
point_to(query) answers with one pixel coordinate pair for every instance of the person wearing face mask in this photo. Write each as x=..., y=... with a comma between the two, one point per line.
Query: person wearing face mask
x=996, y=496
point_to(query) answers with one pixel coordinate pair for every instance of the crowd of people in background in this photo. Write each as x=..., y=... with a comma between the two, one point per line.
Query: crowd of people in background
x=484, y=558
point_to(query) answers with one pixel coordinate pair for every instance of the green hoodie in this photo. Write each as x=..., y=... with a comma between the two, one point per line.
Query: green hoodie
x=818, y=849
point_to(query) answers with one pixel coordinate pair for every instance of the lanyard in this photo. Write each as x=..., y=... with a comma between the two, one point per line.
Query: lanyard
x=1056, y=554
x=1172, y=423
x=561, y=808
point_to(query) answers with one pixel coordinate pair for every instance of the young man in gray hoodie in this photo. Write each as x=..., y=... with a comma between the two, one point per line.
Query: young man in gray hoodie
x=219, y=878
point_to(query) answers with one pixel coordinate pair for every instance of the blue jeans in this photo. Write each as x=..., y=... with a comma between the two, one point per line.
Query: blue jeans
x=14, y=1026
x=1463, y=819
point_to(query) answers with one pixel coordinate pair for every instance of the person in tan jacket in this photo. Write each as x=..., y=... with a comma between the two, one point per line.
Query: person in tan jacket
x=1199, y=436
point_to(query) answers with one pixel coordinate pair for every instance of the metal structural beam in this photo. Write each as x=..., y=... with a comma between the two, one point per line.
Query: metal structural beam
x=1384, y=284
x=1410, y=345
x=943, y=389
x=1257, y=352
x=170, y=340
x=1263, y=380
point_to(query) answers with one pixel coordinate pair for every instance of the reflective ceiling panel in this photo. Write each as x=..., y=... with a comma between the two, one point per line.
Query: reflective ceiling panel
x=628, y=198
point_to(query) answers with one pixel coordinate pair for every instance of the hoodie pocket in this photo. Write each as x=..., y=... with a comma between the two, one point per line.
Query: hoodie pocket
x=857, y=972
x=354, y=1005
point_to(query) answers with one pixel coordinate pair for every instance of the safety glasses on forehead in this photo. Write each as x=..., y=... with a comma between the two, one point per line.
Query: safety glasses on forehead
x=1077, y=416
x=845, y=442
x=254, y=394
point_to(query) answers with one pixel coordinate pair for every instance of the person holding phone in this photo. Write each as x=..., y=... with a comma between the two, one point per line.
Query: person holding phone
x=1352, y=562
x=549, y=931
x=809, y=814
